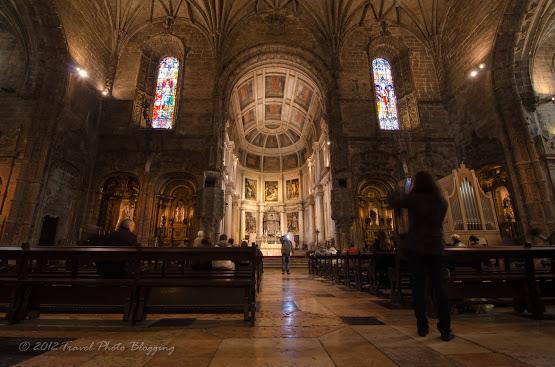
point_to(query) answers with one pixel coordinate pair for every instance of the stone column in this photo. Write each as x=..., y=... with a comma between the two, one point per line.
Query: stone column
x=301, y=225
x=282, y=221
x=260, y=224
x=228, y=213
x=319, y=208
x=236, y=220
x=242, y=225
x=310, y=221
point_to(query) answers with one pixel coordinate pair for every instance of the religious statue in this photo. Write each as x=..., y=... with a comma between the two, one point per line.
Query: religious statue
x=508, y=211
x=179, y=213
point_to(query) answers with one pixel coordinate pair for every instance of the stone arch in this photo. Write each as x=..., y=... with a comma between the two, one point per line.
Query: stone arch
x=373, y=212
x=174, y=218
x=533, y=187
x=117, y=199
x=536, y=30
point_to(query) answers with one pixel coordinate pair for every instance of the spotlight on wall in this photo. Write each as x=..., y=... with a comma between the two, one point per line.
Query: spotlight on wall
x=329, y=142
x=482, y=66
x=82, y=72
x=474, y=73
x=105, y=92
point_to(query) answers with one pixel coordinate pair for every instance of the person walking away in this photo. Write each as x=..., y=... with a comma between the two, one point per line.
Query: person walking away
x=423, y=247
x=286, y=252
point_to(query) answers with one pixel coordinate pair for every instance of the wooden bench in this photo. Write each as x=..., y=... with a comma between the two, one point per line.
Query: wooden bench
x=524, y=276
x=513, y=273
x=66, y=279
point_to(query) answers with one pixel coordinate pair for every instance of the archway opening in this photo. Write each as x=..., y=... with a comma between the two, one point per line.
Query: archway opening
x=277, y=159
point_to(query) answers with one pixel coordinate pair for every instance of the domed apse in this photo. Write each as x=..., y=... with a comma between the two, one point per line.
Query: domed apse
x=276, y=113
x=277, y=159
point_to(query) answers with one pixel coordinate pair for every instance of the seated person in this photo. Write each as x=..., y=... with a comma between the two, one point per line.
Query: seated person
x=123, y=236
x=456, y=241
x=473, y=241
x=223, y=264
x=222, y=242
x=203, y=265
x=353, y=250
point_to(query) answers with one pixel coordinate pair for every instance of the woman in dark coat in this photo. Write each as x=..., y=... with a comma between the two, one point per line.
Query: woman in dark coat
x=423, y=247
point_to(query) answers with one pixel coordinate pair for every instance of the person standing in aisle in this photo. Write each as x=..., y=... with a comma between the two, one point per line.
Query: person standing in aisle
x=286, y=252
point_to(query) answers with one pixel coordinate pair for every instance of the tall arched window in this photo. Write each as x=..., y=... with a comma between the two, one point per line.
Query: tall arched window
x=166, y=91
x=386, y=99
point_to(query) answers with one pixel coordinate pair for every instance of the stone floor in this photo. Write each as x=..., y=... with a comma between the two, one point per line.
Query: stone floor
x=302, y=322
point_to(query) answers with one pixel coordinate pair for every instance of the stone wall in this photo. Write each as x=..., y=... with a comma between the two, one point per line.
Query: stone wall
x=60, y=139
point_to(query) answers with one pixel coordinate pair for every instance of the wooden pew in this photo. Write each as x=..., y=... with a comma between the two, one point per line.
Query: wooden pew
x=65, y=279
x=517, y=275
x=176, y=288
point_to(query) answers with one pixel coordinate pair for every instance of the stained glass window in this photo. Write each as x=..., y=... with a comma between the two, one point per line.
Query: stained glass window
x=166, y=90
x=386, y=100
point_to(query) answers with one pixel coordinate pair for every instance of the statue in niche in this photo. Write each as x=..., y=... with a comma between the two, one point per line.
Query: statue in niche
x=179, y=212
x=127, y=210
x=271, y=191
x=250, y=223
x=292, y=189
x=508, y=211
x=373, y=217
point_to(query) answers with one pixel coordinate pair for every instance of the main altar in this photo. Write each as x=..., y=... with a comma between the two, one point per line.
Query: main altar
x=269, y=243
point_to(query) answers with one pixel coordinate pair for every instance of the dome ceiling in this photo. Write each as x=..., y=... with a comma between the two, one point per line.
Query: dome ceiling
x=273, y=111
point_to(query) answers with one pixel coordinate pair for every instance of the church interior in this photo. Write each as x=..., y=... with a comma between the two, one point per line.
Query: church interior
x=259, y=121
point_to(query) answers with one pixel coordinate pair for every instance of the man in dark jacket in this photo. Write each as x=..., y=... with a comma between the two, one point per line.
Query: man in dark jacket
x=124, y=236
x=286, y=252
x=423, y=246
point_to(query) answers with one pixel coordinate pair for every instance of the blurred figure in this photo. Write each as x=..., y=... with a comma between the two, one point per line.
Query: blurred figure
x=222, y=242
x=286, y=252
x=244, y=244
x=123, y=236
x=353, y=250
x=230, y=242
x=473, y=241
x=424, y=249
x=456, y=241
x=198, y=239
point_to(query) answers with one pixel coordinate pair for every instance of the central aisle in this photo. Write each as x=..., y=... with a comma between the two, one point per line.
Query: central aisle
x=302, y=322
